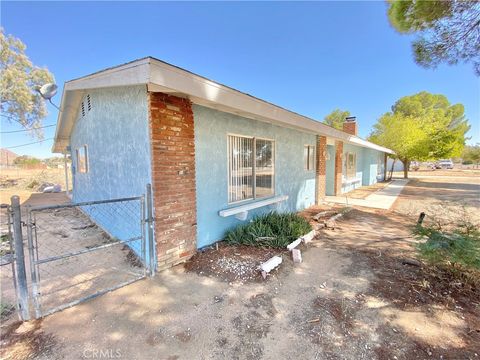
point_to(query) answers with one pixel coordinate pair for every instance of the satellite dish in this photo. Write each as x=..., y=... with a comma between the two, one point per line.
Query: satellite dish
x=47, y=91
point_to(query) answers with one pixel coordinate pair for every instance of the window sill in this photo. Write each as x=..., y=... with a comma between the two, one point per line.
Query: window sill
x=241, y=212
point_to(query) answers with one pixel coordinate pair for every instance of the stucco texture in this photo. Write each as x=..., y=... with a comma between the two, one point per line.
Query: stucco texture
x=211, y=130
x=368, y=167
x=116, y=133
x=330, y=173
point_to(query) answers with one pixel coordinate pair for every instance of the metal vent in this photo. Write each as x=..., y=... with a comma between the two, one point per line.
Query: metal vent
x=83, y=108
x=89, y=104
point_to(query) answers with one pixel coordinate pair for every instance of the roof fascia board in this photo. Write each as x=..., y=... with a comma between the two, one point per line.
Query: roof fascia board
x=198, y=87
x=206, y=92
x=160, y=76
x=135, y=73
x=66, y=119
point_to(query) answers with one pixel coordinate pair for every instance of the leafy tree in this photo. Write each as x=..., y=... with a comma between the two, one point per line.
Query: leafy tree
x=336, y=118
x=448, y=31
x=26, y=161
x=471, y=154
x=422, y=127
x=18, y=79
x=55, y=161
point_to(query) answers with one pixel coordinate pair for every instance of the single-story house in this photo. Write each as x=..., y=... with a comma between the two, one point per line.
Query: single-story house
x=215, y=156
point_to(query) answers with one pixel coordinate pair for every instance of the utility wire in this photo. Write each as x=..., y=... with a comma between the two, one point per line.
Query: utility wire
x=15, y=131
x=35, y=142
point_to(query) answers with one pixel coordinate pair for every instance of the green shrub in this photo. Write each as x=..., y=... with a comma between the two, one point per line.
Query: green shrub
x=5, y=310
x=461, y=246
x=269, y=230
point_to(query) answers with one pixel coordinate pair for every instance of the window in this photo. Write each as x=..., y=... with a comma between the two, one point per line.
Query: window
x=380, y=163
x=351, y=165
x=309, y=157
x=250, y=168
x=82, y=159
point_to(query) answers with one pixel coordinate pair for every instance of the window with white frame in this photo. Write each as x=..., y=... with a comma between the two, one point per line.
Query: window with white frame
x=380, y=163
x=351, y=165
x=82, y=159
x=251, y=168
x=309, y=157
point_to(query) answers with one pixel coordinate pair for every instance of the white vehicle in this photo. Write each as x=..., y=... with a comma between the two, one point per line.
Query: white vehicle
x=445, y=164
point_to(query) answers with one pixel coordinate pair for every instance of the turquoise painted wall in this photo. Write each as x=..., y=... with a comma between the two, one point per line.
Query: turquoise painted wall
x=366, y=168
x=211, y=129
x=116, y=133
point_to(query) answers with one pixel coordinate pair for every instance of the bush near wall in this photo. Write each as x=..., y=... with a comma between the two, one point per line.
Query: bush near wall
x=269, y=230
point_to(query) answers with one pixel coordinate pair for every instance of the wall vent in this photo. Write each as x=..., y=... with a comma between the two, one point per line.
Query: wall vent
x=89, y=104
x=83, y=109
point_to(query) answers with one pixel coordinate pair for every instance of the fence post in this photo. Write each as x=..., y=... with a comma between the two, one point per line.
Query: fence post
x=151, y=250
x=143, y=222
x=31, y=226
x=22, y=288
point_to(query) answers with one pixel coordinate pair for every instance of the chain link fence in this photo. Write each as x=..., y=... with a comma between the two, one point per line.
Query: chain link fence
x=8, y=302
x=75, y=252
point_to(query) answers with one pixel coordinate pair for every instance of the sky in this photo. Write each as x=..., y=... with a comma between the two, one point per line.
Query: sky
x=308, y=57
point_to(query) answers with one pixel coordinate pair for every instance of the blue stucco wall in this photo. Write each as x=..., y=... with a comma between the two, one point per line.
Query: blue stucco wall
x=330, y=176
x=211, y=129
x=367, y=167
x=116, y=133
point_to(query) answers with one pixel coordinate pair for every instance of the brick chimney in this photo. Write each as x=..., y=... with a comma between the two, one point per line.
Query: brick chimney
x=350, y=125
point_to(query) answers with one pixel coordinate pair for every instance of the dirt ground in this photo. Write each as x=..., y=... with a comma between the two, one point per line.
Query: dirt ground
x=25, y=182
x=456, y=172
x=351, y=298
x=441, y=196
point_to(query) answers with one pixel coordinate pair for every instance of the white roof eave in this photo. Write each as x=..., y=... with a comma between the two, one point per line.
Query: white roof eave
x=160, y=76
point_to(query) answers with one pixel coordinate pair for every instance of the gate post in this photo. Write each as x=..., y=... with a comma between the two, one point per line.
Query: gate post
x=22, y=288
x=151, y=249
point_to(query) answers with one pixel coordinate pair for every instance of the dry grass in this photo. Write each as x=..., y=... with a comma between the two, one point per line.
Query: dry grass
x=24, y=182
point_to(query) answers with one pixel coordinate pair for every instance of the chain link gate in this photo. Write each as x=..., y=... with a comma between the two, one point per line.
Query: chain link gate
x=9, y=295
x=83, y=250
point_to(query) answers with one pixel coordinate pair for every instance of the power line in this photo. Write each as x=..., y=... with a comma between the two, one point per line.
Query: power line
x=35, y=142
x=15, y=131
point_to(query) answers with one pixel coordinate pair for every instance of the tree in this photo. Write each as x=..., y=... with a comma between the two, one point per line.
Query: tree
x=336, y=118
x=18, y=79
x=27, y=161
x=422, y=127
x=471, y=154
x=55, y=161
x=448, y=31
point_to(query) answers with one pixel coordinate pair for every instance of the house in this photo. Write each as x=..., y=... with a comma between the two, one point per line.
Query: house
x=7, y=158
x=215, y=156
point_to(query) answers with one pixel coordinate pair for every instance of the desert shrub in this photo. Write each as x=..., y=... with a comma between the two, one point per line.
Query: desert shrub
x=269, y=230
x=461, y=246
x=5, y=310
x=33, y=184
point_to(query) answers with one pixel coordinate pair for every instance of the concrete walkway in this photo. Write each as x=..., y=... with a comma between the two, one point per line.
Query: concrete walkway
x=381, y=199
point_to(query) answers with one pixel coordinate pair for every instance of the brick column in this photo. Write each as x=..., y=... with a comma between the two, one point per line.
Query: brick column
x=320, y=169
x=338, y=167
x=173, y=178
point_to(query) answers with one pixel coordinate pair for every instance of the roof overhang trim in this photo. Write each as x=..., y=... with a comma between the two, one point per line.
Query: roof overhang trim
x=159, y=76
